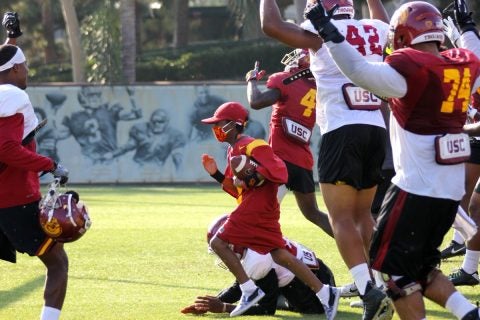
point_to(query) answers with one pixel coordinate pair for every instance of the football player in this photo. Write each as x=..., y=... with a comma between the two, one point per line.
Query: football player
x=428, y=91
x=282, y=289
x=291, y=93
x=352, y=147
x=19, y=183
x=255, y=222
x=467, y=274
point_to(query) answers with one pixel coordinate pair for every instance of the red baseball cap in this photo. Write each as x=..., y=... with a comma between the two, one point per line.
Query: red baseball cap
x=232, y=111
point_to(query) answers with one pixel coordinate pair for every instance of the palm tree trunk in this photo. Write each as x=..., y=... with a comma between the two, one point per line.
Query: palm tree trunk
x=129, y=44
x=73, y=32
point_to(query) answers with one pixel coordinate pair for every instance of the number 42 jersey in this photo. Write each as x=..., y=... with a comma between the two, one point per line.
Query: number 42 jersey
x=367, y=36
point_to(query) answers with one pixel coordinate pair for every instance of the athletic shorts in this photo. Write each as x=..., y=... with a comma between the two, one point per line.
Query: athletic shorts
x=409, y=231
x=20, y=231
x=387, y=175
x=299, y=179
x=352, y=155
x=475, y=153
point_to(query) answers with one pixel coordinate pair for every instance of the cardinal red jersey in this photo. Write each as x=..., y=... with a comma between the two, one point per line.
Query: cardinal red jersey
x=255, y=222
x=438, y=93
x=424, y=109
x=19, y=165
x=297, y=102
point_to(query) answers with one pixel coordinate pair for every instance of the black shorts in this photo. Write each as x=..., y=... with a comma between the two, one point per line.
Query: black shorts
x=299, y=179
x=387, y=175
x=475, y=151
x=408, y=232
x=352, y=155
x=20, y=231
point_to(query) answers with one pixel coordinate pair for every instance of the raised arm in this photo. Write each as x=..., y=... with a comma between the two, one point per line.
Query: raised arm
x=377, y=10
x=288, y=33
x=11, y=23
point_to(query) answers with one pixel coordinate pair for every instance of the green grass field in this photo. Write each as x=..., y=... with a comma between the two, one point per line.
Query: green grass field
x=145, y=257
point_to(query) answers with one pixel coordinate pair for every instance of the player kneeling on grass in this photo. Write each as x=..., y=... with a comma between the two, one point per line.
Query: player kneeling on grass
x=254, y=224
x=282, y=289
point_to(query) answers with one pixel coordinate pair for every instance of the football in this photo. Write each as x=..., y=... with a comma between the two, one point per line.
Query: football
x=242, y=166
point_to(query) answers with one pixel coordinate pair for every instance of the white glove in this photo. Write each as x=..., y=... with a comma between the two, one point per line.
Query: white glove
x=451, y=30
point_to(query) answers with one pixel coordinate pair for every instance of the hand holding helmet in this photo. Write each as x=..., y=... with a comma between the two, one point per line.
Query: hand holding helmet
x=11, y=23
x=60, y=172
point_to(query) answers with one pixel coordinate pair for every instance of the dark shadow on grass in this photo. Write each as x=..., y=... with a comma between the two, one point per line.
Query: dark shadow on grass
x=10, y=296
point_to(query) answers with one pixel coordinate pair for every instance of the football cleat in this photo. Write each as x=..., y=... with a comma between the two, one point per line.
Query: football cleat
x=376, y=304
x=332, y=306
x=349, y=290
x=246, y=302
x=461, y=278
x=454, y=249
x=472, y=315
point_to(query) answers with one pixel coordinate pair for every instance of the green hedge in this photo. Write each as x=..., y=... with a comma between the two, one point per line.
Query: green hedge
x=218, y=61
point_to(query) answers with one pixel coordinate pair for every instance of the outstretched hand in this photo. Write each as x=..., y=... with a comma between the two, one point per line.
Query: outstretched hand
x=11, y=23
x=321, y=21
x=463, y=16
x=209, y=164
x=193, y=309
x=210, y=303
x=451, y=30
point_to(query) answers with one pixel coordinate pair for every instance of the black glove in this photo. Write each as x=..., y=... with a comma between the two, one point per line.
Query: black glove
x=11, y=23
x=61, y=172
x=321, y=22
x=464, y=17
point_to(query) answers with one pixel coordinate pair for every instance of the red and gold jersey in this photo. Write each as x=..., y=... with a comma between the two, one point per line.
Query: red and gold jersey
x=425, y=109
x=255, y=223
x=19, y=164
x=297, y=103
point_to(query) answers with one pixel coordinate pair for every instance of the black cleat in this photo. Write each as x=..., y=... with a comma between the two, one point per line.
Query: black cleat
x=454, y=249
x=472, y=315
x=461, y=278
x=376, y=304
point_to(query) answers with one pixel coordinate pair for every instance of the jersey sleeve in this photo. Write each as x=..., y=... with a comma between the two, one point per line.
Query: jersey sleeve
x=13, y=153
x=270, y=165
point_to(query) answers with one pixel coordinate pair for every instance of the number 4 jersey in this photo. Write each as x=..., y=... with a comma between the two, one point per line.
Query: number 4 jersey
x=368, y=37
x=293, y=118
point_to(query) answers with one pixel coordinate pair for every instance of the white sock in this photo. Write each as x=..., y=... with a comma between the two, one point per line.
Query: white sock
x=458, y=305
x=49, y=313
x=361, y=276
x=470, y=261
x=324, y=294
x=248, y=287
x=377, y=275
x=457, y=237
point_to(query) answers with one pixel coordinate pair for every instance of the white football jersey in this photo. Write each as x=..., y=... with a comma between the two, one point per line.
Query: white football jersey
x=369, y=37
x=14, y=100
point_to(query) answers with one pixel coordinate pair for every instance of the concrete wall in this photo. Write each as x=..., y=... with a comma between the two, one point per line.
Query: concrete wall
x=135, y=134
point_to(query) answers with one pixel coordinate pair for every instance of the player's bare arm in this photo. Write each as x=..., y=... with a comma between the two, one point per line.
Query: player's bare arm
x=290, y=34
x=377, y=10
x=256, y=98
